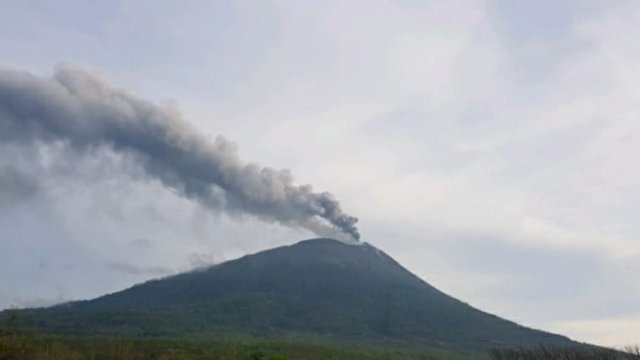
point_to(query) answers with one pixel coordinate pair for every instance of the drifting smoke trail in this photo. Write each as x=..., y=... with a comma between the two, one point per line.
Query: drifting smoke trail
x=86, y=113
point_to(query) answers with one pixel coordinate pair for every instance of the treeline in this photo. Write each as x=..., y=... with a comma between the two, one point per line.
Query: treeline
x=33, y=348
x=17, y=343
x=585, y=353
x=25, y=346
x=29, y=346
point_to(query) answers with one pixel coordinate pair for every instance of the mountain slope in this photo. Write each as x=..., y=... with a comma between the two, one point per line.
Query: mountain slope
x=318, y=287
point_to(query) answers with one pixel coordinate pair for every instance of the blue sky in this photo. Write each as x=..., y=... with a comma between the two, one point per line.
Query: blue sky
x=487, y=145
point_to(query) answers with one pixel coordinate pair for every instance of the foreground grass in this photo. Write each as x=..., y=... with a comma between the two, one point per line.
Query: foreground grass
x=24, y=346
x=587, y=353
x=14, y=346
x=27, y=347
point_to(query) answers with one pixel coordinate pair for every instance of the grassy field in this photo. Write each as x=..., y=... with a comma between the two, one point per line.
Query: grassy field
x=24, y=346
x=20, y=343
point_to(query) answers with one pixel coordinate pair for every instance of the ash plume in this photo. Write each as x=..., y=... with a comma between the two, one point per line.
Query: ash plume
x=86, y=114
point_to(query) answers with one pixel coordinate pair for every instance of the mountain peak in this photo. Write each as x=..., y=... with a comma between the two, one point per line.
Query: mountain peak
x=327, y=255
x=329, y=245
x=325, y=241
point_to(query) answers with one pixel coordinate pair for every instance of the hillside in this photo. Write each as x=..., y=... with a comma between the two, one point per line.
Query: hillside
x=318, y=288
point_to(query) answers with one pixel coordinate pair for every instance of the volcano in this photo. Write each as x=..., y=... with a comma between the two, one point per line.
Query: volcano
x=319, y=288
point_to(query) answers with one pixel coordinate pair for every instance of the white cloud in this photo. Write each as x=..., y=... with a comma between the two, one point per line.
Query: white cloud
x=617, y=333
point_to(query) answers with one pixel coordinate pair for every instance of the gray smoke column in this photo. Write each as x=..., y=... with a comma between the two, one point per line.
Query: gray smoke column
x=78, y=109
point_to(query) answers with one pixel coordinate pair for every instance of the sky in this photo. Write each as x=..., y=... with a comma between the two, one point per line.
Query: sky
x=488, y=146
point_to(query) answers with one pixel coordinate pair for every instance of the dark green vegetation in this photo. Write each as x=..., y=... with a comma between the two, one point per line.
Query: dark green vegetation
x=319, y=289
x=18, y=344
x=583, y=353
x=23, y=346
x=97, y=349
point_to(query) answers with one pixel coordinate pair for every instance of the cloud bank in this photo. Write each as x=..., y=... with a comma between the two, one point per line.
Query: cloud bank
x=84, y=113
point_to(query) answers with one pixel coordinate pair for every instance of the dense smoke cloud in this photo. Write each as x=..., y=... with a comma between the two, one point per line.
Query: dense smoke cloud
x=87, y=114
